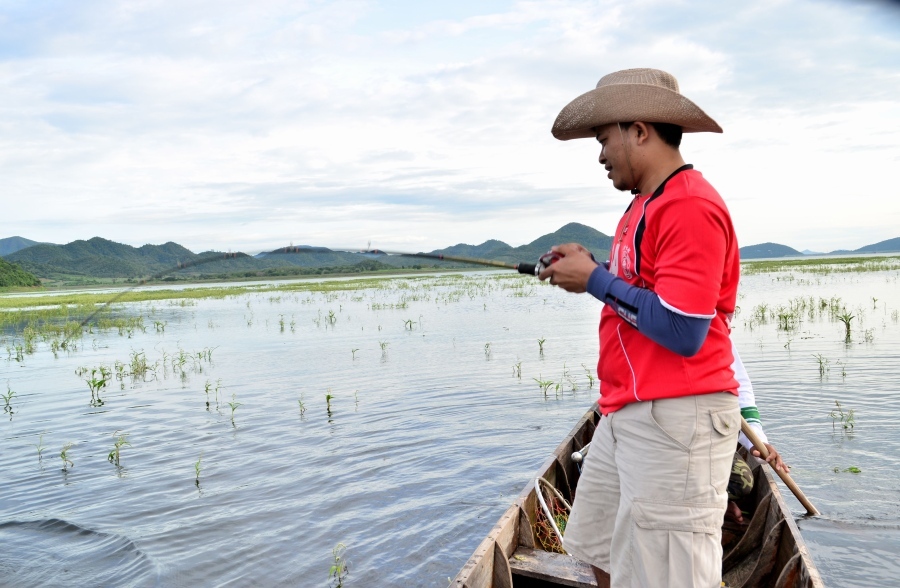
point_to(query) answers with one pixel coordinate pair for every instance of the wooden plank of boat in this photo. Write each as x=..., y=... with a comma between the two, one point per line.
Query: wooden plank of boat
x=767, y=551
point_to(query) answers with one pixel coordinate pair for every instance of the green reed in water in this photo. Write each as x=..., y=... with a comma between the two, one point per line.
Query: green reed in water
x=121, y=440
x=197, y=469
x=543, y=384
x=234, y=404
x=846, y=419
x=339, y=570
x=40, y=447
x=64, y=456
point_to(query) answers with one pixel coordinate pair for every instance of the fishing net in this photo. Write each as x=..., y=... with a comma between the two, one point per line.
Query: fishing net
x=551, y=517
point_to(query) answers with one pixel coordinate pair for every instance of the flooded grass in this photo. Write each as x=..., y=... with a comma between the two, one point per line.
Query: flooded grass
x=412, y=419
x=822, y=266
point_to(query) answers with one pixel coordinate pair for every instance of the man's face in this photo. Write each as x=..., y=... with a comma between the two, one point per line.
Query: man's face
x=613, y=156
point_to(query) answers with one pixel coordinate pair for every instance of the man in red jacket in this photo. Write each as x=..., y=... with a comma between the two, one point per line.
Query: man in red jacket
x=649, y=505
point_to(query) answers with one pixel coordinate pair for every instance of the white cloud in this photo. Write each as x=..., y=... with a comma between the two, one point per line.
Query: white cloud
x=244, y=126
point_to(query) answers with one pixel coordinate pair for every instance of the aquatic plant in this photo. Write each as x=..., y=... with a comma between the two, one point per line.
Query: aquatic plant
x=843, y=368
x=845, y=318
x=301, y=404
x=121, y=440
x=590, y=376
x=541, y=345
x=851, y=470
x=234, y=404
x=97, y=383
x=487, y=349
x=409, y=324
x=139, y=366
x=40, y=447
x=7, y=398
x=823, y=364
x=339, y=569
x=64, y=456
x=197, y=468
x=787, y=320
x=517, y=369
x=846, y=419
x=328, y=398
x=383, y=345
x=353, y=352
x=544, y=385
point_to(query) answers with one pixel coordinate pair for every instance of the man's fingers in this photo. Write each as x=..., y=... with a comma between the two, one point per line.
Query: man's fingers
x=568, y=248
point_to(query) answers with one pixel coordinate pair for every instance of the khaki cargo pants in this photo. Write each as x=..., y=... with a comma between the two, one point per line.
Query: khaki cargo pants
x=652, y=495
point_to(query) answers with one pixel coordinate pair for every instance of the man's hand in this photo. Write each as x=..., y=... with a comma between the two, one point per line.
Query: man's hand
x=571, y=273
x=774, y=459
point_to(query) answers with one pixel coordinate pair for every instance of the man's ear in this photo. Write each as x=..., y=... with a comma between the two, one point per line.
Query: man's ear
x=641, y=132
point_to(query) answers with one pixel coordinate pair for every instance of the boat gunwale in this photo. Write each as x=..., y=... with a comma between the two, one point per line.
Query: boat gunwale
x=562, y=456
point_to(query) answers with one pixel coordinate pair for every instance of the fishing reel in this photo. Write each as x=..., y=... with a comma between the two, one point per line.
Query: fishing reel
x=534, y=269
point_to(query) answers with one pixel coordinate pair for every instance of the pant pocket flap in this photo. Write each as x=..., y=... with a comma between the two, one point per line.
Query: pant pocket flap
x=725, y=422
x=678, y=516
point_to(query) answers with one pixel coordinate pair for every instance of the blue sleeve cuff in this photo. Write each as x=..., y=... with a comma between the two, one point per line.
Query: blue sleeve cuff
x=599, y=283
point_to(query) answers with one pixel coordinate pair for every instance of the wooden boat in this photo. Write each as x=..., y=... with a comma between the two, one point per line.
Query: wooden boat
x=765, y=551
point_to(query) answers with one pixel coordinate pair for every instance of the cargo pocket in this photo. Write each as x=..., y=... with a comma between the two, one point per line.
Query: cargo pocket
x=676, y=543
x=725, y=422
x=723, y=438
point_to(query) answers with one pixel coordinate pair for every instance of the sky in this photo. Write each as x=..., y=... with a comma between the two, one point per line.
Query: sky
x=231, y=125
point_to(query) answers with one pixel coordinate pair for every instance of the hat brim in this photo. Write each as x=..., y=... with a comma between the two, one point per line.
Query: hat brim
x=629, y=103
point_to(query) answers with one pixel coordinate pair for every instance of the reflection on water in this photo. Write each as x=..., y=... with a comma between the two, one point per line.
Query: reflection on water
x=434, y=422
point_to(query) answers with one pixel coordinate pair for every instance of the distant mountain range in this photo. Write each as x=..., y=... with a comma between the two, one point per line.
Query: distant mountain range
x=101, y=258
x=769, y=250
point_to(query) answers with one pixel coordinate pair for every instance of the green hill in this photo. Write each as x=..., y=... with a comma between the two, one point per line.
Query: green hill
x=102, y=258
x=889, y=246
x=12, y=276
x=766, y=250
x=593, y=239
x=598, y=243
x=13, y=244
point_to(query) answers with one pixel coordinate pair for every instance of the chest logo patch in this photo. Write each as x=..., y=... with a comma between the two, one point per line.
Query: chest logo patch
x=626, y=262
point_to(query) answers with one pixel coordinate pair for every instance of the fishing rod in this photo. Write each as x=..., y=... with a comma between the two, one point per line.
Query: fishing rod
x=532, y=269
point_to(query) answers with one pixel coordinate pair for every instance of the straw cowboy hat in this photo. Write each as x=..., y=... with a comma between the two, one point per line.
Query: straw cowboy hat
x=644, y=94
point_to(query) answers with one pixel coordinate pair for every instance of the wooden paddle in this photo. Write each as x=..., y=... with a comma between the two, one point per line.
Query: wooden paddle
x=785, y=477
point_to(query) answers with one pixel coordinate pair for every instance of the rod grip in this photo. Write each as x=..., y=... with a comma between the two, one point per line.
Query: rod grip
x=527, y=268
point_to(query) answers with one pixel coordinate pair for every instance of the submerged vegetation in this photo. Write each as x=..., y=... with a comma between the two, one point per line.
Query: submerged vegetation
x=845, y=419
x=822, y=265
x=163, y=354
x=120, y=440
x=339, y=569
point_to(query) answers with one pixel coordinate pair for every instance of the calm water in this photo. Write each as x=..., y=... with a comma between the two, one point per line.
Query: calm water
x=429, y=436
